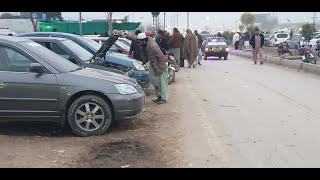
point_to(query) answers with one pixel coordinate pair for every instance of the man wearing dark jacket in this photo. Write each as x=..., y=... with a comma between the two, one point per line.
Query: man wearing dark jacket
x=135, y=48
x=257, y=42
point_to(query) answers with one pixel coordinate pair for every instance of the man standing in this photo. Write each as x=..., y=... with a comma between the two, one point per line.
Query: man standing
x=175, y=44
x=257, y=41
x=190, y=48
x=199, y=40
x=235, y=40
x=158, y=73
x=135, y=48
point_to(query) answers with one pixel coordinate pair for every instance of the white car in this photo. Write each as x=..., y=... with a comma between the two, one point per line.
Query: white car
x=279, y=38
x=7, y=32
x=313, y=42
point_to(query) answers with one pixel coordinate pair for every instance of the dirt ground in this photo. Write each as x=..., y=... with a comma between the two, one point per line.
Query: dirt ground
x=150, y=140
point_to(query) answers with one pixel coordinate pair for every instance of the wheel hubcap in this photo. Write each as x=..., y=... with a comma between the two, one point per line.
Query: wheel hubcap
x=89, y=116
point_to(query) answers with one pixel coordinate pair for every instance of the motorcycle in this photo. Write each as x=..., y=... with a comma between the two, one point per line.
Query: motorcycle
x=172, y=67
x=307, y=56
x=283, y=48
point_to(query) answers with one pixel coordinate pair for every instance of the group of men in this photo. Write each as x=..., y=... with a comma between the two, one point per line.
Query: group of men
x=152, y=52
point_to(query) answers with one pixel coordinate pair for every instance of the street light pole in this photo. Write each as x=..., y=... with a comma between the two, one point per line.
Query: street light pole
x=164, y=20
x=188, y=20
x=80, y=23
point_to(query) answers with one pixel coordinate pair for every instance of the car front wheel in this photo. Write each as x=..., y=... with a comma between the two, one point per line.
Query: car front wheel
x=89, y=115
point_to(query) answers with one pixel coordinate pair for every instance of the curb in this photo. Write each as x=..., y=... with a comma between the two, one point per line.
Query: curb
x=292, y=64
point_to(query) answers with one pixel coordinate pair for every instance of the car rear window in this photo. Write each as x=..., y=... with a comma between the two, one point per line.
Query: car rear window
x=282, y=35
x=216, y=41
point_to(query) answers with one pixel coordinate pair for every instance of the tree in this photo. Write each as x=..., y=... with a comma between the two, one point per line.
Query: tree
x=110, y=23
x=269, y=25
x=6, y=16
x=250, y=29
x=307, y=31
x=51, y=16
x=247, y=19
x=241, y=27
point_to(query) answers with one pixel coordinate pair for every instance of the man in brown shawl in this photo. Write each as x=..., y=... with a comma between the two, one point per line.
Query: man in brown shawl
x=190, y=48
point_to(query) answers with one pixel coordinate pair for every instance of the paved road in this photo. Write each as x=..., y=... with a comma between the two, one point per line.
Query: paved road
x=236, y=114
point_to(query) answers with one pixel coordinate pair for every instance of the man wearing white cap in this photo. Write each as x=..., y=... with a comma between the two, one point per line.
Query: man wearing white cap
x=158, y=73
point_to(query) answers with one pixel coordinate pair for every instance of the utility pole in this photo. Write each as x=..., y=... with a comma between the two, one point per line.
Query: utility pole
x=164, y=20
x=80, y=23
x=177, y=20
x=187, y=20
x=314, y=17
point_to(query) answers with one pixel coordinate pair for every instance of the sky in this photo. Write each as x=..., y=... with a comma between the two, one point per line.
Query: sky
x=217, y=20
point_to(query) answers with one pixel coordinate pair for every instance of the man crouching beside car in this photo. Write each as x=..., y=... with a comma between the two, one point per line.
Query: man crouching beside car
x=158, y=70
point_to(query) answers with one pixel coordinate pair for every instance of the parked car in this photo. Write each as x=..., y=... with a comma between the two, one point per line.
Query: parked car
x=279, y=38
x=313, y=42
x=76, y=54
x=117, y=47
x=267, y=38
x=7, y=32
x=125, y=41
x=215, y=46
x=294, y=43
x=141, y=74
x=37, y=84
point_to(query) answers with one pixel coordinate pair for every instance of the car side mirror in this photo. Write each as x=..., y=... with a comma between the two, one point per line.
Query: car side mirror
x=36, y=67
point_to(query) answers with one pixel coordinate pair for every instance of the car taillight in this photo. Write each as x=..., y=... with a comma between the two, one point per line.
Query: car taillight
x=206, y=49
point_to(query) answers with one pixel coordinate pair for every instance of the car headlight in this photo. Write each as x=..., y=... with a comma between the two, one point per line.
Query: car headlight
x=139, y=66
x=227, y=49
x=126, y=89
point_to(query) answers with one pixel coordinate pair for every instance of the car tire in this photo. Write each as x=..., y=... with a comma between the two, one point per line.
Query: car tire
x=81, y=110
x=225, y=57
x=220, y=57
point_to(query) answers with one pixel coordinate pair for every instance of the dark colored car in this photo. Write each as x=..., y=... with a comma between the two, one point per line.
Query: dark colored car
x=205, y=36
x=215, y=46
x=76, y=54
x=141, y=74
x=37, y=84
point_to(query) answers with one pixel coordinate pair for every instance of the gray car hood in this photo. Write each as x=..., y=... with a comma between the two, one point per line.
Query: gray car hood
x=108, y=76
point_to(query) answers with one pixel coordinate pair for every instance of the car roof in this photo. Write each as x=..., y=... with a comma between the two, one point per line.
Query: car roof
x=50, y=33
x=13, y=39
x=47, y=38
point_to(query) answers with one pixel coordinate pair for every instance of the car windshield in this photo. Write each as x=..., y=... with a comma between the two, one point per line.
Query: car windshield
x=92, y=44
x=282, y=35
x=216, y=41
x=122, y=45
x=51, y=58
x=318, y=36
x=82, y=53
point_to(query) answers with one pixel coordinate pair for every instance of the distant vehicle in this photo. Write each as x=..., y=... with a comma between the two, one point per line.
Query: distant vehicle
x=279, y=38
x=7, y=32
x=215, y=46
x=313, y=42
x=267, y=38
x=294, y=43
x=39, y=85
